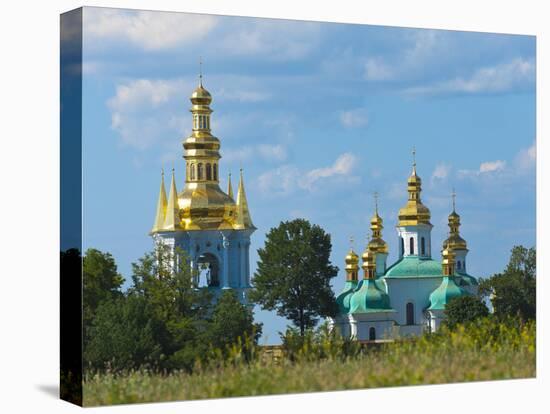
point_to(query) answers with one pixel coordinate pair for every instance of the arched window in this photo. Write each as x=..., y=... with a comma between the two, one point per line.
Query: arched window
x=422, y=246
x=192, y=171
x=215, y=171
x=208, y=171
x=402, y=246
x=411, y=245
x=410, y=313
x=458, y=265
x=199, y=171
x=372, y=333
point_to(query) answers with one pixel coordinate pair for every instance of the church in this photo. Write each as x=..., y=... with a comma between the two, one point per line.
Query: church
x=408, y=297
x=210, y=225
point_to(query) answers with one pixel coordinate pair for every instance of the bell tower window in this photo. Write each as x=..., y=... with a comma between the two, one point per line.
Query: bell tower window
x=192, y=175
x=199, y=171
x=422, y=246
x=215, y=171
x=208, y=171
x=411, y=245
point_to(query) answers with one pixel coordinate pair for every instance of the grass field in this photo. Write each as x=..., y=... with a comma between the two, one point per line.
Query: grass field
x=484, y=352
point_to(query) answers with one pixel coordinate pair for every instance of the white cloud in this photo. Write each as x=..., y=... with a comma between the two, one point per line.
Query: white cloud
x=272, y=152
x=354, y=118
x=527, y=158
x=376, y=69
x=146, y=29
x=484, y=168
x=138, y=110
x=492, y=166
x=516, y=74
x=422, y=46
x=280, y=181
x=277, y=40
x=264, y=151
x=343, y=165
x=287, y=178
x=440, y=173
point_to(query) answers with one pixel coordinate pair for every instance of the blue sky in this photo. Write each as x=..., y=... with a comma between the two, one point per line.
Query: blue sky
x=319, y=116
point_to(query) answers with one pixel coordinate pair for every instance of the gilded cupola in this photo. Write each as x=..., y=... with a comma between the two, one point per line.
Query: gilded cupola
x=414, y=212
x=448, y=262
x=352, y=265
x=454, y=241
x=369, y=264
x=377, y=244
x=202, y=204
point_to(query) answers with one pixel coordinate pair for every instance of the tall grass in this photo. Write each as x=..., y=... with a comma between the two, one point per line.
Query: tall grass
x=484, y=350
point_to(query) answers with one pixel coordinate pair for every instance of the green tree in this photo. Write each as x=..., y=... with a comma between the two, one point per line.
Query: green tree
x=124, y=335
x=232, y=320
x=294, y=273
x=463, y=309
x=166, y=282
x=513, y=292
x=101, y=282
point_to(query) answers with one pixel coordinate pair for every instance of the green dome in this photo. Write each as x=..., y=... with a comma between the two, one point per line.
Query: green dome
x=447, y=290
x=413, y=266
x=369, y=297
x=343, y=299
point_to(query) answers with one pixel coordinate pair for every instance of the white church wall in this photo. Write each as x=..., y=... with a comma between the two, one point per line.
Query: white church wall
x=414, y=290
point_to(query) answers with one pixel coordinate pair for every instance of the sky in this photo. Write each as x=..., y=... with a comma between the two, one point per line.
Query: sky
x=320, y=116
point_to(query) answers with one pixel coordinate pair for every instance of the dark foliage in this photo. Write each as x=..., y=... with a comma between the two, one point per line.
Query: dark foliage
x=513, y=292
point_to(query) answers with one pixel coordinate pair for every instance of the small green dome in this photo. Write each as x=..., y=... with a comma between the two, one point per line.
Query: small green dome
x=369, y=297
x=447, y=290
x=343, y=299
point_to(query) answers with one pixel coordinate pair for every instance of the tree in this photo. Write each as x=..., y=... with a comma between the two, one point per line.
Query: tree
x=165, y=280
x=294, y=273
x=124, y=335
x=463, y=309
x=513, y=292
x=232, y=320
x=101, y=282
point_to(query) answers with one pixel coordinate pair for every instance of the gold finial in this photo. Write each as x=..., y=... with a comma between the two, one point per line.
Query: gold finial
x=200, y=70
x=376, y=202
x=351, y=242
x=162, y=172
x=414, y=159
x=453, y=195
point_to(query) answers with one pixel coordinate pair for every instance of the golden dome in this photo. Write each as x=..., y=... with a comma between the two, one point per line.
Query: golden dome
x=201, y=96
x=368, y=259
x=454, y=241
x=202, y=205
x=414, y=212
x=447, y=264
x=352, y=259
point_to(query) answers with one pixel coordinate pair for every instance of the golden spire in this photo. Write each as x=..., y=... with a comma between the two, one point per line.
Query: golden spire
x=454, y=241
x=200, y=70
x=377, y=244
x=448, y=262
x=172, y=220
x=229, y=187
x=161, y=207
x=414, y=212
x=352, y=263
x=243, y=220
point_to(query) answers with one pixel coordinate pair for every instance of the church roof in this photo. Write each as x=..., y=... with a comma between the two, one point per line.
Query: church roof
x=412, y=267
x=343, y=299
x=446, y=291
x=369, y=298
